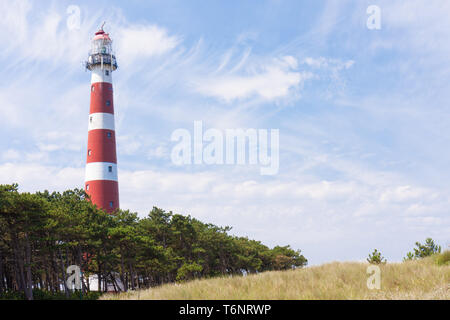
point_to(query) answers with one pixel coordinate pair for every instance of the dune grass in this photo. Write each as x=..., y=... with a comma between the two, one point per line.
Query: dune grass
x=417, y=279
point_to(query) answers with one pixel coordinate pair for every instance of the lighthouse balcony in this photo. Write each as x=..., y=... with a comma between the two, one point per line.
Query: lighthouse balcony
x=101, y=59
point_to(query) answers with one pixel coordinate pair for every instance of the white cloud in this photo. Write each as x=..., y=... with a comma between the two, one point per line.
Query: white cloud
x=14, y=22
x=128, y=144
x=34, y=177
x=333, y=64
x=293, y=208
x=143, y=41
x=407, y=194
x=31, y=35
x=425, y=24
x=159, y=152
x=269, y=81
x=11, y=154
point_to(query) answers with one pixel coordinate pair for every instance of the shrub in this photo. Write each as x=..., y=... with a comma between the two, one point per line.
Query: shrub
x=12, y=295
x=39, y=294
x=423, y=250
x=188, y=271
x=409, y=256
x=376, y=258
x=443, y=258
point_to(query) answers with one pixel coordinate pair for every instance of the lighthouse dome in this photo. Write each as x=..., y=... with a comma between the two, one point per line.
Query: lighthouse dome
x=100, y=34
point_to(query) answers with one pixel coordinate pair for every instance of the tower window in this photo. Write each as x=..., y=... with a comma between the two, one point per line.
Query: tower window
x=92, y=88
x=90, y=119
x=89, y=152
x=111, y=204
x=109, y=168
x=108, y=103
x=87, y=187
x=109, y=134
x=107, y=72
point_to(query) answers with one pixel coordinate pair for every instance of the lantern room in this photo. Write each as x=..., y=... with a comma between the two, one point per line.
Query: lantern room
x=101, y=43
x=101, y=52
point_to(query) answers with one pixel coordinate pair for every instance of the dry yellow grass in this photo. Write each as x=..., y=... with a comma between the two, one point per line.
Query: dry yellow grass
x=408, y=280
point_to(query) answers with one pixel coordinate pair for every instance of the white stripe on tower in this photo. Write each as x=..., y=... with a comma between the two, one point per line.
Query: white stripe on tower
x=101, y=171
x=101, y=75
x=101, y=120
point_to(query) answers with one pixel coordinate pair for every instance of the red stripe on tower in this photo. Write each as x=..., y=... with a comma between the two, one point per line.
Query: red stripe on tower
x=101, y=182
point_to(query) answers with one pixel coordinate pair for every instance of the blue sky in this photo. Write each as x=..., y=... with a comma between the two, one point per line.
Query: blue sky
x=363, y=114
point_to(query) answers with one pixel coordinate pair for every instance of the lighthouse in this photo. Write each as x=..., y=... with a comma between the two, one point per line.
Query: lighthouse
x=101, y=182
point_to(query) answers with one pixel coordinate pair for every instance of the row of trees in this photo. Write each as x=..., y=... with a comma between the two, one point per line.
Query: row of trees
x=42, y=234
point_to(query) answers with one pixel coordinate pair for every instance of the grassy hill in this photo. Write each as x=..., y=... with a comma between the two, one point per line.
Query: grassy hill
x=418, y=279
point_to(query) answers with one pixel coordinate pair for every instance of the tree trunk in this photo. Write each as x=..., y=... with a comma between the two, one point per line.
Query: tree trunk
x=54, y=273
x=29, y=284
x=2, y=277
x=48, y=280
x=122, y=271
x=19, y=262
x=63, y=274
x=41, y=282
x=99, y=278
x=80, y=263
x=115, y=284
x=132, y=277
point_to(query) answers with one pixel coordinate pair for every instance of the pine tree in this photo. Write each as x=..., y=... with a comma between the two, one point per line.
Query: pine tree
x=423, y=250
x=376, y=258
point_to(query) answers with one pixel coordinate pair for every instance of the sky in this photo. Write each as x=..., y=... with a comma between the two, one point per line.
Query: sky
x=363, y=114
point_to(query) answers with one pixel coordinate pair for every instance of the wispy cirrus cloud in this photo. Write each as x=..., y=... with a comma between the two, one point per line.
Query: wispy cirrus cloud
x=271, y=80
x=328, y=63
x=31, y=35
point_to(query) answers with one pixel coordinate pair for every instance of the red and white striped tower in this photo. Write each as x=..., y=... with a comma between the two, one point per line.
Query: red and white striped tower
x=101, y=182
